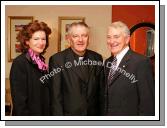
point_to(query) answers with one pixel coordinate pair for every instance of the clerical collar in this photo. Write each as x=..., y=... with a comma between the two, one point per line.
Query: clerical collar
x=77, y=56
x=81, y=58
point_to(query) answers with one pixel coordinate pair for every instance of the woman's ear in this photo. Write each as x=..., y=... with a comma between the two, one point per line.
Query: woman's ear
x=27, y=43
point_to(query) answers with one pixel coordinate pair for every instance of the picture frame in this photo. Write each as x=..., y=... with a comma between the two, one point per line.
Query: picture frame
x=63, y=23
x=15, y=24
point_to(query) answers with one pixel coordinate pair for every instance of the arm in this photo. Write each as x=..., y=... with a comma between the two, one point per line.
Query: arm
x=146, y=89
x=102, y=91
x=18, y=83
x=101, y=87
x=56, y=94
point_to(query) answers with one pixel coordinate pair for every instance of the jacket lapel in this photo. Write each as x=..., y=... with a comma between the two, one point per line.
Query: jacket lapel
x=76, y=69
x=91, y=67
x=122, y=66
x=107, y=69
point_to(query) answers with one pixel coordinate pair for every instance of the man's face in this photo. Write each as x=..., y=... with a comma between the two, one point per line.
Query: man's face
x=116, y=40
x=79, y=39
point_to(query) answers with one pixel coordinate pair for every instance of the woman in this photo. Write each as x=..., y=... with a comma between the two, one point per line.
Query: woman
x=30, y=96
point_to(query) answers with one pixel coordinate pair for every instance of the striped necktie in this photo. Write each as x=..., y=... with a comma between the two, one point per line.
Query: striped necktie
x=112, y=70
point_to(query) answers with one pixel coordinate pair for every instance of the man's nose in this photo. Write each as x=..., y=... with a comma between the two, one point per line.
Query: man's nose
x=111, y=40
x=80, y=38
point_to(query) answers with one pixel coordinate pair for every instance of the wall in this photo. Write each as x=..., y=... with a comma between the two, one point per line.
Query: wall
x=97, y=17
x=132, y=15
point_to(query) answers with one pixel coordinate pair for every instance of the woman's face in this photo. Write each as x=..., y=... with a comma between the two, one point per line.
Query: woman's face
x=37, y=42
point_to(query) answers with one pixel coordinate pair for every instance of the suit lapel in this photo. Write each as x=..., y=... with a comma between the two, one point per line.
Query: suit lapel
x=122, y=66
x=90, y=57
x=76, y=69
x=90, y=67
x=107, y=68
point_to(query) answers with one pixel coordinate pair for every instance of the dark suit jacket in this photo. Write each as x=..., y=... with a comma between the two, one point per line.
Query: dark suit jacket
x=124, y=96
x=70, y=93
x=30, y=97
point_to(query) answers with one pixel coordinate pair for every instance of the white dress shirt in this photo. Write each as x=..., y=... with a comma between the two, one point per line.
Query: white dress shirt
x=121, y=55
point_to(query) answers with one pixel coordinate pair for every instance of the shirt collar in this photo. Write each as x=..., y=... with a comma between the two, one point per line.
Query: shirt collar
x=121, y=55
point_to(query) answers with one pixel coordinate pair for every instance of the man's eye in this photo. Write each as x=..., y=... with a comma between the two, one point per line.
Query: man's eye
x=84, y=35
x=75, y=36
x=116, y=36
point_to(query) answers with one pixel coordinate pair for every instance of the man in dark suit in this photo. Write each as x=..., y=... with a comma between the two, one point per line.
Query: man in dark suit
x=129, y=84
x=75, y=90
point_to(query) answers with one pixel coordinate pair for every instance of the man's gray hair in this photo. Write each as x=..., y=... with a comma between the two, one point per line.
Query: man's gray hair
x=69, y=31
x=120, y=25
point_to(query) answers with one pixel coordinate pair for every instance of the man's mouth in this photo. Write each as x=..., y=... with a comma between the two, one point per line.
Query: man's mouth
x=114, y=45
x=80, y=44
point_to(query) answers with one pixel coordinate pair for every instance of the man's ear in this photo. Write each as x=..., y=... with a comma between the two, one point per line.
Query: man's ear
x=127, y=39
x=68, y=39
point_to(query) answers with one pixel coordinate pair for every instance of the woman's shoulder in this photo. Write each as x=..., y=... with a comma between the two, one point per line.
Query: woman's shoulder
x=20, y=59
x=19, y=64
